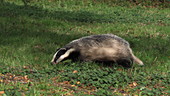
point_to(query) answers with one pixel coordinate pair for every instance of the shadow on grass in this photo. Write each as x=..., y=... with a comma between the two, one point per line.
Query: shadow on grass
x=19, y=23
x=122, y=16
x=12, y=10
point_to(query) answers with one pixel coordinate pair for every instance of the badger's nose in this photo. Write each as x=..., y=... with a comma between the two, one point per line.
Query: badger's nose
x=53, y=63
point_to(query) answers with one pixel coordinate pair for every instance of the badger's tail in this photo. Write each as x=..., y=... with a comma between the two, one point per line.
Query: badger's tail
x=137, y=60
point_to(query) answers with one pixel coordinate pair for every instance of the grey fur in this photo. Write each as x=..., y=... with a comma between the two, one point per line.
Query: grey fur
x=104, y=47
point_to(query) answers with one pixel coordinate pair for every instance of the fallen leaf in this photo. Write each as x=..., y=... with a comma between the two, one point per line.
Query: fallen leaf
x=66, y=82
x=25, y=67
x=26, y=77
x=68, y=94
x=73, y=85
x=2, y=92
x=78, y=82
x=1, y=80
x=75, y=71
x=119, y=69
x=134, y=84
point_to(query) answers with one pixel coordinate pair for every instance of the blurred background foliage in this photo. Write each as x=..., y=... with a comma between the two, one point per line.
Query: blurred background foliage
x=129, y=3
x=147, y=3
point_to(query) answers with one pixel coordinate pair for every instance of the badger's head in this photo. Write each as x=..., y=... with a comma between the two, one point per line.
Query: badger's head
x=61, y=54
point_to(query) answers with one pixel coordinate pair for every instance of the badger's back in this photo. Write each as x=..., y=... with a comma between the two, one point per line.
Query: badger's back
x=103, y=40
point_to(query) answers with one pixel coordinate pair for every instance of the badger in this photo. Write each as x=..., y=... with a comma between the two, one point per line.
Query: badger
x=103, y=47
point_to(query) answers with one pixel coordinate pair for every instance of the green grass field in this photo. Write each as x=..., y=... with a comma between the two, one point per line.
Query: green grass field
x=30, y=35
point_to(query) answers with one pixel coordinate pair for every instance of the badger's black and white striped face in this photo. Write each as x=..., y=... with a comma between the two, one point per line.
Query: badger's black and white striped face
x=61, y=54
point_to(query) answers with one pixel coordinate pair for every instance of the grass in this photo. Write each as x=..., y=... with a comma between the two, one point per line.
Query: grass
x=30, y=35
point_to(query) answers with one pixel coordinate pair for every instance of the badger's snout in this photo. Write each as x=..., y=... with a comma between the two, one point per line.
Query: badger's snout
x=53, y=63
